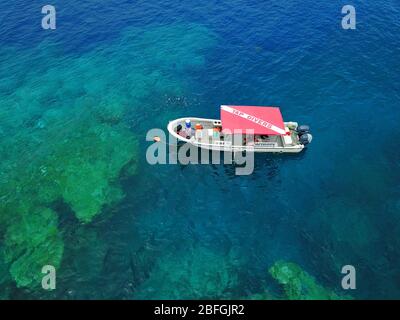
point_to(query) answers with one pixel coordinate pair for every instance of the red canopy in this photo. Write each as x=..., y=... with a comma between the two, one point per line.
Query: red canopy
x=263, y=120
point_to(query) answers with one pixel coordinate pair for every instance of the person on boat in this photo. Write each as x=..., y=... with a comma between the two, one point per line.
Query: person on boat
x=188, y=128
x=181, y=132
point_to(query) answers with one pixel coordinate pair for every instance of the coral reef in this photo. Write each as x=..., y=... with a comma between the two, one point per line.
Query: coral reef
x=66, y=136
x=299, y=285
x=199, y=273
x=79, y=164
x=261, y=296
x=5, y=277
x=90, y=165
x=32, y=242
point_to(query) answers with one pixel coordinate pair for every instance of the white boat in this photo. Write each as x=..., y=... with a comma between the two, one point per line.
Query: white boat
x=243, y=128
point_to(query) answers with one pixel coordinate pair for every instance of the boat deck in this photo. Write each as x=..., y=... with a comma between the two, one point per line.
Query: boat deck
x=210, y=136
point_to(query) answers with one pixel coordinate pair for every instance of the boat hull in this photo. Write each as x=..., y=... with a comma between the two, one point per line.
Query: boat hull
x=276, y=144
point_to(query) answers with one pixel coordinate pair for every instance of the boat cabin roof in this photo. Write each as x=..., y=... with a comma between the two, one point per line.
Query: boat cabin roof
x=263, y=120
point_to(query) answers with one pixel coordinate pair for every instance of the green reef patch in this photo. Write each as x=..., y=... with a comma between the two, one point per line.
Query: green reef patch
x=199, y=273
x=32, y=242
x=67, y=135
x=299, y=285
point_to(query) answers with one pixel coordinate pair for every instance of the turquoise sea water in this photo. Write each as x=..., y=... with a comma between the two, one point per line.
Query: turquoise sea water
x=76, y=190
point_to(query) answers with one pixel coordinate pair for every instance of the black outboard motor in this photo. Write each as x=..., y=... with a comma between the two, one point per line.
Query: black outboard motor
x=303, y=129
x=305, y=136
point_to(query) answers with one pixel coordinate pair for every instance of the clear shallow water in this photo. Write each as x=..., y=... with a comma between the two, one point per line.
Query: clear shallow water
x=336, y=204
